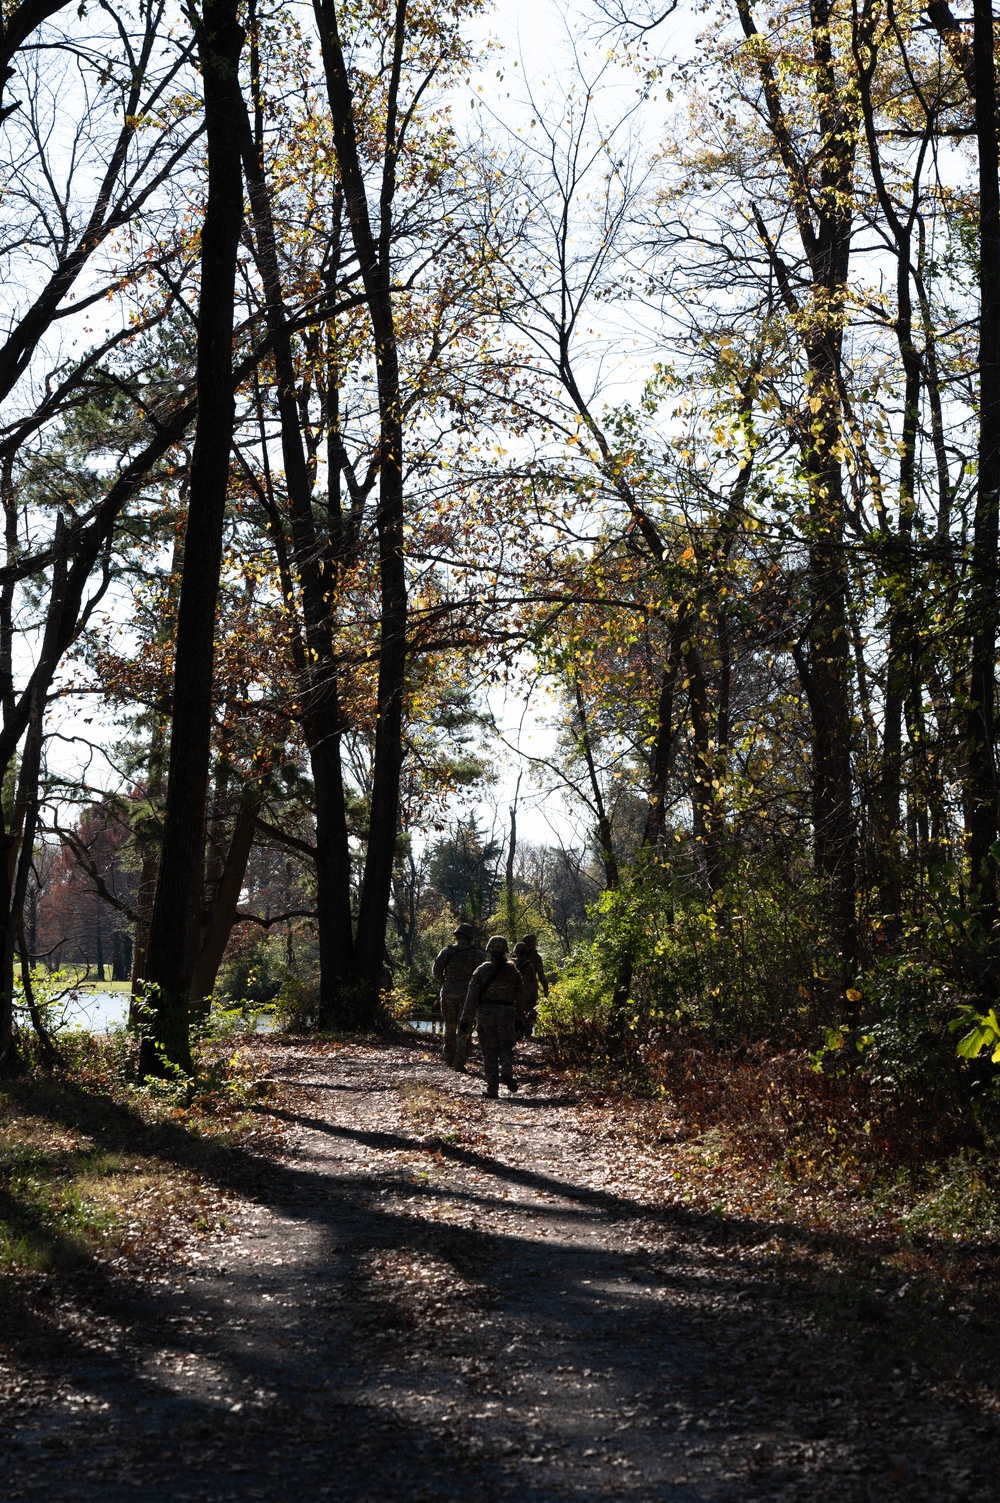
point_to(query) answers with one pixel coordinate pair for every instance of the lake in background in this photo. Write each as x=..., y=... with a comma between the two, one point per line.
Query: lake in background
x=99, y=1012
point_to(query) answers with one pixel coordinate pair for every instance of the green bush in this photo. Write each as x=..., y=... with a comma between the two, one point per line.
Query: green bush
x=747, y=961
x=296, y=1005
x=579, y=999
x=254, y=974
x=907, y=1007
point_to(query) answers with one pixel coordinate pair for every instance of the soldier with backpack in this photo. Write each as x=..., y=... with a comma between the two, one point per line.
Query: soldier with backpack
x=529, y=977
x=495, y=1007
x=453, y=969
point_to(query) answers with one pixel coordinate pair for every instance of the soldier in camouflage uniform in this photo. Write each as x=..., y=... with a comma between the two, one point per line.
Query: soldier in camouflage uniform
x=525, y=963
x=495, y=1006
x=453, y=968
x=530, y=943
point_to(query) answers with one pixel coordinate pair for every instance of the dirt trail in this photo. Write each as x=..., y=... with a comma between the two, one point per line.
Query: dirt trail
x=436, y=1297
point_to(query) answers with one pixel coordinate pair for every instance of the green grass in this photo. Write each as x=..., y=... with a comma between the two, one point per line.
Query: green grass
x=93, y=1167
x=92, y=985
x=59, y=1205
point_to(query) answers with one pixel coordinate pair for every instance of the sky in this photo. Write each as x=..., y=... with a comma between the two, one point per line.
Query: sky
x=537, y=35
x=533, y=42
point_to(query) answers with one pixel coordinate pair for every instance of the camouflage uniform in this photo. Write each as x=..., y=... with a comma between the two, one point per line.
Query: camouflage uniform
x=495, y=1005
x=531, y=965
x=529, y=977
x=453, y=968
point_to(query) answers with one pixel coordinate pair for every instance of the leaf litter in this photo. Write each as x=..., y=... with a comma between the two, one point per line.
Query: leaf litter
x=429, y=1295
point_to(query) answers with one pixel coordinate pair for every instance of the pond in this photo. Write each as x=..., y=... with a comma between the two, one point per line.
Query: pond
x=97, y=1011
x=100, y=1011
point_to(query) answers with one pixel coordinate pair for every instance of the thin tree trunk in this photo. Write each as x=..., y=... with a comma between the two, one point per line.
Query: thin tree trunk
x=665, y=739
x=706, y=822
x=17, y=846
x=51, y=1056
x=605, y=841
x=174, y=929
x=148, y=835
x=509, y=872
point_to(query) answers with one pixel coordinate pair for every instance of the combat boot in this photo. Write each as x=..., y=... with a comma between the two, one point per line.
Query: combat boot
x=462, y=1046
x=492, y=1090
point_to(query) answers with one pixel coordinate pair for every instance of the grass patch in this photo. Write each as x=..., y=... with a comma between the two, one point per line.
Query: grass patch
x=95, y=1168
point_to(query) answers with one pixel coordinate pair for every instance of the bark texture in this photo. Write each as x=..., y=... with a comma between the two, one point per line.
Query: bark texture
x=981, y=790
x=174, y=929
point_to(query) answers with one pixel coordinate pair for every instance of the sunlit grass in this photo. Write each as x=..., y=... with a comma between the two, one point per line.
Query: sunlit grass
x=93, y=1166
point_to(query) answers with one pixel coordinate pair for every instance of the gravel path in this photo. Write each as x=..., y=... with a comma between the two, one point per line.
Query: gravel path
x=436, y=1297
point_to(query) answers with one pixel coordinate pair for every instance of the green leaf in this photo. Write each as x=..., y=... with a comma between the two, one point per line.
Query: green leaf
x=974, y=1042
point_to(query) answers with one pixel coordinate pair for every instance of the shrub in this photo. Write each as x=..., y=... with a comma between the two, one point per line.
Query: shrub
x=580, y=998
x=747, y=962
x=254, y=974
x=296, y=1005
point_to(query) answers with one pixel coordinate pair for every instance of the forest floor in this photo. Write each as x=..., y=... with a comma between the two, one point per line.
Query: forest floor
x=420, y=1294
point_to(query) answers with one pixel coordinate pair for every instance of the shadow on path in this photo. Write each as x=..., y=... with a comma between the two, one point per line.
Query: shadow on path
x=370, y=1351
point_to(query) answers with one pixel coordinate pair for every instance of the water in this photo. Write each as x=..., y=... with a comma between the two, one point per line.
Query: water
x=99, y=1012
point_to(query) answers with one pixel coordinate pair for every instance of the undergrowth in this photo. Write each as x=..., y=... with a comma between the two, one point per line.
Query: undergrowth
x=96, y=1168
x=791, y=1131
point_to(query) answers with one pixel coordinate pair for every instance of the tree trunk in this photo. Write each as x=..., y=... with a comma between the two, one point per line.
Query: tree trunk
x=122, y=956
x=509, y=874
x=821, y=196
x=663, y=755
x=903, y=636
x=605, y=837
x=174, y=929
x=226, y=900
x=374, y=262
x=706, y=821
x=322, y=721
x=980, y=735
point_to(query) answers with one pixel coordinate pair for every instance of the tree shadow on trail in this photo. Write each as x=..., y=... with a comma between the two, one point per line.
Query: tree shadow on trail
x=316, y=1375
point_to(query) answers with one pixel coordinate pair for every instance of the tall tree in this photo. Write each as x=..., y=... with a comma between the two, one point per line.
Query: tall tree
x=820, y=173
x=174, y=929
x=981, y=737
x=373, y=238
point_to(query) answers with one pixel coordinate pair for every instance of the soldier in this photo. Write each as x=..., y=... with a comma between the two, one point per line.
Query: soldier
x=495, y=1005
x=530, y=942
x=524, y=961
x=453, y=969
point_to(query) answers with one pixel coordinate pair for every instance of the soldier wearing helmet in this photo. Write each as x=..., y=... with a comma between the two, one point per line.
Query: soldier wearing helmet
x=525, y=962
x=495, y=1007
x=530, y=943
x=453, y=970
